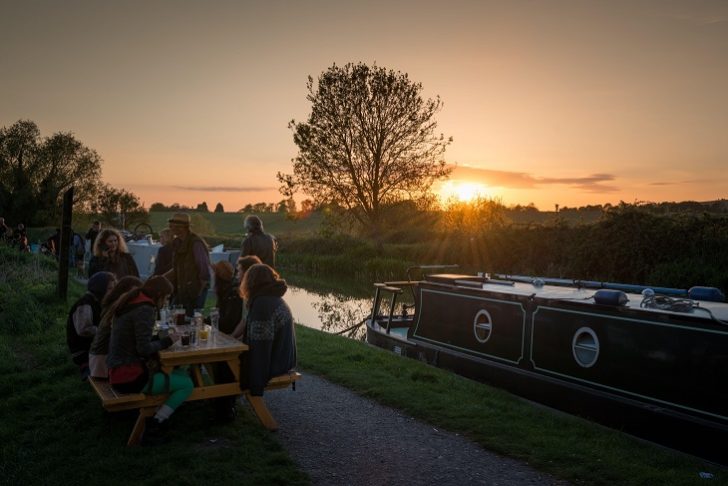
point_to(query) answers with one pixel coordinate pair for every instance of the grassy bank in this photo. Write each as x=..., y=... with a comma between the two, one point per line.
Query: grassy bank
x=565, y=446
x=54, y=431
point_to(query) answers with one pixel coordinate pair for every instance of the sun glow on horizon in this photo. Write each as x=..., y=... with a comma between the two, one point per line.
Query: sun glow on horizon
x=463, y=191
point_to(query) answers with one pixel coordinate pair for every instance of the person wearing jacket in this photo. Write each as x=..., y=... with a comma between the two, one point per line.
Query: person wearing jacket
x=269, y=330
x=84, y=318
x=131, y=346
x=190, y=274
x=259, y=243
x=100, y=344
x=110, y=254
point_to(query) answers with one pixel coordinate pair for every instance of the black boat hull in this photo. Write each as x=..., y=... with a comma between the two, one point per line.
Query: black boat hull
x=654, y=376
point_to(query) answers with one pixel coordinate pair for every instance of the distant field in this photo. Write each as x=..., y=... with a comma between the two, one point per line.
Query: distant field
x=231, y=224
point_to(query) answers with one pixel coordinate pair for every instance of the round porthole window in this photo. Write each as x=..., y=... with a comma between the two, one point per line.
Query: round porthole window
x=482, y=326
x=585, y=347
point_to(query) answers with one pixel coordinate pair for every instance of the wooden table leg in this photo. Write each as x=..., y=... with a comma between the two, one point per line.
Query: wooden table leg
x=138, y=430
x=261, y=410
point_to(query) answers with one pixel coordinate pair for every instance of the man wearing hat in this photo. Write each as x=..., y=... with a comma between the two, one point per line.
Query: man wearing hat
x=190, y=272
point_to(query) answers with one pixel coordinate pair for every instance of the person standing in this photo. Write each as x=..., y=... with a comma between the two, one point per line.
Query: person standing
x=190, y=274
x=4, y=231
x=269, y=331
x=54, y=243
x=110, y=254
x=21, y=239
x=92, y=233
x=259, y=243
x=165, y=255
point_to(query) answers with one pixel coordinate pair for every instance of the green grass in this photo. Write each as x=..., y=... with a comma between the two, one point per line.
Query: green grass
x=231, y=224
x=565, y=446
x=54, y=431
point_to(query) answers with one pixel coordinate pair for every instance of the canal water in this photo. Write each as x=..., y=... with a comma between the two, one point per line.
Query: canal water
x=330, y=312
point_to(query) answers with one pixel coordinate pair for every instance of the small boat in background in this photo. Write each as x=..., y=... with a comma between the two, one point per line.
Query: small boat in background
x=650, y=361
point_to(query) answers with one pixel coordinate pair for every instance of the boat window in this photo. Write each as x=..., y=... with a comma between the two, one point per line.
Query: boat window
x=482, y=326
x=585, y=347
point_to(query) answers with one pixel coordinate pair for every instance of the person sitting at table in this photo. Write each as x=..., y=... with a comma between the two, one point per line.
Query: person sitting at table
x=84, y=318
x=111, y=254
x=230, y=306
x=131, y=346
x=269, y=330
x=100, y=344
x=244, y=263
x=229, y=302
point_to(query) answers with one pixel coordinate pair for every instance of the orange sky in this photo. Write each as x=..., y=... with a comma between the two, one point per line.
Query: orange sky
x=568, y=102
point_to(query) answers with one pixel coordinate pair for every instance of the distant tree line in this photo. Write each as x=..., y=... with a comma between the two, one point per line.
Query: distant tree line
x=283, y=206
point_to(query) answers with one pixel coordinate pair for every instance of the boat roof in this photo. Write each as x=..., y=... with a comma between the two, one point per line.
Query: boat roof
x=570, y=293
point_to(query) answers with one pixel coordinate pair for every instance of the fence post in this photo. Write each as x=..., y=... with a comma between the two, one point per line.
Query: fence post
x=64, y=250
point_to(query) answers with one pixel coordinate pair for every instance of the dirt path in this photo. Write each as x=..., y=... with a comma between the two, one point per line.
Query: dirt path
x=340, y=438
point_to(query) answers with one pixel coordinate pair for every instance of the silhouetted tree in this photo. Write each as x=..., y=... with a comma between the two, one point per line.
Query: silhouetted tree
x=35, y=172
x=219, y=208
x=118, y=207
x=202, y=207
x=369, y=141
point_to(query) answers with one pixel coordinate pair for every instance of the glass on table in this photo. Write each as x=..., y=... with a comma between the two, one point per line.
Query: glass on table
x=204, y=332
x=179, y=315
x=215, y=318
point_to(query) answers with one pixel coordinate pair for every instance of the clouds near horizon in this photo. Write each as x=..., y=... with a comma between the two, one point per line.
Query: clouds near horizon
x=595, y=183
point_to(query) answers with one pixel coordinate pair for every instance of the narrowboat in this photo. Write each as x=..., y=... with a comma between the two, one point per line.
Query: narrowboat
x=650, y=361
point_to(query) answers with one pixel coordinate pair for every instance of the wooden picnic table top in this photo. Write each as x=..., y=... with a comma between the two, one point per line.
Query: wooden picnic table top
x=218, y=347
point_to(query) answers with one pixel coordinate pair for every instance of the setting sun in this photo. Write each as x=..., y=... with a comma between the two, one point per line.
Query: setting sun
x=463, y=191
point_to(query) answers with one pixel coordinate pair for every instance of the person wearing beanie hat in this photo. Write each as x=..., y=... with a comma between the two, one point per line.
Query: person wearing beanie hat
x=131, y=346
x=84, y=318
x=257, y=242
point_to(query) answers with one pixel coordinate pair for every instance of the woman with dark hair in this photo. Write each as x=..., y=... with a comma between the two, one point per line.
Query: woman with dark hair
x=229, y=302
x=131, y=345
x=84, y=318
x=110, y=254
x=244, y=263
x=100, y=344
x=269, y=330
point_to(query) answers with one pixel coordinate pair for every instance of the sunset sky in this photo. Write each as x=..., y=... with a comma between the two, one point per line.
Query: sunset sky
x=549, y=102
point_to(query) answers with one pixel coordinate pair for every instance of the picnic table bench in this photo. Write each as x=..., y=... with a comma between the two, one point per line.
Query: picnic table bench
x=220, y=349
x=114, y=401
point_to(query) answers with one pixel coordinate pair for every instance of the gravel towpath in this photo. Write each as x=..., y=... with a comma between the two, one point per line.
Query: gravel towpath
x=340, y=438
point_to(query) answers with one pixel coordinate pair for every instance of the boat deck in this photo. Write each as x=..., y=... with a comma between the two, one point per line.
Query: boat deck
x=719, y=310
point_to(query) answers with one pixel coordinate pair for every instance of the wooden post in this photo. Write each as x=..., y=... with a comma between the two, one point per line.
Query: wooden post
x=63, y=251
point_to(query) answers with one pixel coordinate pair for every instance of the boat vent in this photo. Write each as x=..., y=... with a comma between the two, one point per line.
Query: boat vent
x=585, y=347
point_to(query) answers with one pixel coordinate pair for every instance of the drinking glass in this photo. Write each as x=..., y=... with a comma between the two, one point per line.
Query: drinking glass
x=215, y=318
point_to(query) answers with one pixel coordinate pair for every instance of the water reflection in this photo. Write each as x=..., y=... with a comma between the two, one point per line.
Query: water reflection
x=330, y=312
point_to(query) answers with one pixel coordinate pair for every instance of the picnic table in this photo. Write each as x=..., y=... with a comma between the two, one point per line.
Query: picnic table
x=218, y=348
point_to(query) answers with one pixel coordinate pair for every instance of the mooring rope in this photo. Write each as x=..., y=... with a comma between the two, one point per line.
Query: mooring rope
x=348, y=329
